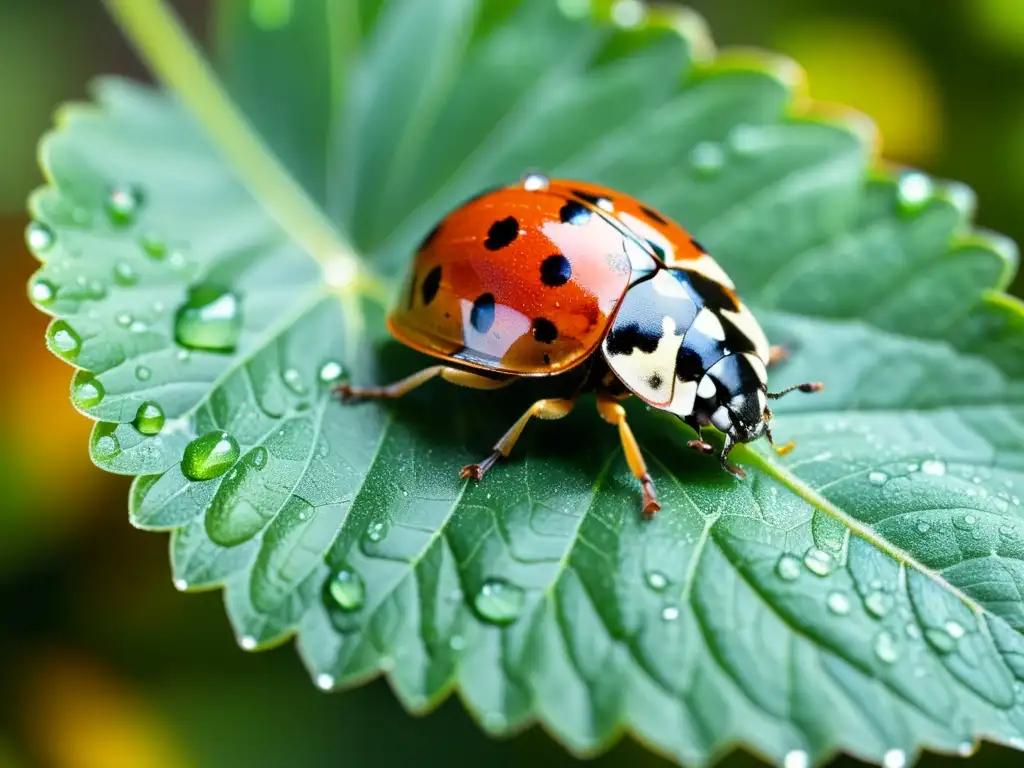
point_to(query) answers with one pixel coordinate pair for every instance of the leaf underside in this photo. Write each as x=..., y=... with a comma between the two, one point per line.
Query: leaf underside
x=861, y=595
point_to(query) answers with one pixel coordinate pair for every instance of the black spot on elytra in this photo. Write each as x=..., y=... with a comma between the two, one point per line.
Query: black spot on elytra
x=574, y=213
x=705, y=291
x=593, y=199
x=481, y=316
x=689, y=365
x=544, y=330
x=430, y=285
x=502, y=234
x=698, y=246
x=622, y=340
x=652, y=214
x=555, y=270
x=654, y=381
x=735, y=339
x=431, y=236
x=658, y=250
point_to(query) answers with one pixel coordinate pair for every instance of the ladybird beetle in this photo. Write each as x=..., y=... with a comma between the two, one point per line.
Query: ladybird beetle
x=550, y=276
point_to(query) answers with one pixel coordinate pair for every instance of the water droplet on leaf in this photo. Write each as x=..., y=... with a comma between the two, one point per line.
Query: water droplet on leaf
x=670, y=613
x=324, y=682
x=42, y=291
x=210, y=319
x=499, y=602
x=796, y=758
x=293, y=380
x=39, y=237
x=210, y=455
x=788, y=568
x=125, y=274
x=955, y=630
x=838, y=603
x=818, y=561
x=142, y=373
x=914, y=192
x=153, y=246
x=877, y=478
x=657, y=580
x=149, y=419
x=248, y=642
x=878, y=603
x=885, y=647
x=64, y=340
x=87, y=390
x=347, y=589
x=122, y=205
x=105, y=445
x=708, y=158
x=894, y=758
x=934, y=467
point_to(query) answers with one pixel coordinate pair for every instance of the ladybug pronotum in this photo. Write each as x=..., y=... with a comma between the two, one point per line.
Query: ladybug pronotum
x=550, y=276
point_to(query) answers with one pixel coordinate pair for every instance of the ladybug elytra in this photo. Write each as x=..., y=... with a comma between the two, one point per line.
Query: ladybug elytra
x=549, y=276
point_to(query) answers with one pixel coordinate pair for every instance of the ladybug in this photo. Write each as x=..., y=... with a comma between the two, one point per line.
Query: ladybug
x=547, y=277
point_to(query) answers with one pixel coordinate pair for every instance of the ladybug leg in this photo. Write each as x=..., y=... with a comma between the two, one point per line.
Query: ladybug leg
x=699, y=444
x=782, y=450
x=542, y=409
x=612, y=412
x=732, y=469
x=409, y=383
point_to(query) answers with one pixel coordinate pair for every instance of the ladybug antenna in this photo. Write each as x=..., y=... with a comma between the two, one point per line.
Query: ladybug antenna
x=811, y=386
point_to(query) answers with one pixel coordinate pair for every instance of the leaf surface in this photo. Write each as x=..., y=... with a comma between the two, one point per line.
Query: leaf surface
x=861, y=595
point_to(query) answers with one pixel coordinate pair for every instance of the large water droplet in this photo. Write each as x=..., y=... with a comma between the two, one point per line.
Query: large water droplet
x=122, y=204
x=499, y=602
x=788, y=568
x=87, y=390
x=838, y=603
x=125, y=274
x=877, y=478
x=149, y=419
x=914, y=192
x=933, y=467
x=885, y=647
x=894, y=758
x=39, y=237
x=708, y=158
x=347, y=589
x=796, y=758
x=330, y=372
x=878, y=603
x=64, y=340
x=210, y=319
x=105, y=445
x=210, y=455
x=657, y=580
x=42, y=291
x=819, y=562
x=670, y=613
x=324, y=682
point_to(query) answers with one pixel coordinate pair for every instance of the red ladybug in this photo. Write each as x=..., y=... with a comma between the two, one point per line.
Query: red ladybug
x=548, y=276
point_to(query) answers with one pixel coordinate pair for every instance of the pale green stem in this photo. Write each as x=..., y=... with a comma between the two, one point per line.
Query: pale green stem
x=166, y=47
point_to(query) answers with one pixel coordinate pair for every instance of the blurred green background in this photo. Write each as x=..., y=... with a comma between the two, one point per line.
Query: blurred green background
x=103, y=663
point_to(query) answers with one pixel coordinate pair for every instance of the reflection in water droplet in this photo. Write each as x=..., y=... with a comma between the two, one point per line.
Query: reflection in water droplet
x=788, y=567
x=42, y=291
x=499, y=602
x=142, y=373
x=39, y=237
x=376, y=532
x=247, y=642
x=153, y=246
x=330, y=372
x=210, y=319
x=838, y=603
x=149, y=419
x=885, y=647
x=122, y=205
x=293, y=380
x=210, y=455
x=934, y=467
x=894, y=758
x=708, y=158
x=181, y=585
x=940, y=640
x=913, y=631
x=877, y=478
x=915, y=190
x=125, y=274
x=105, y=445
x=324, y=682
x=818, y=561
x=955, y=630
x=796, y=758
x=347, y=589
x=923, y=527
x=87, y=390
x=657, y=580
x=670, y=613
x=878, y=603
x=64, y=340
x=965, y=749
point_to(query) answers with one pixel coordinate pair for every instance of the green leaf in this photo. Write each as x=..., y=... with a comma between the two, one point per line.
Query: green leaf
x=862, y=595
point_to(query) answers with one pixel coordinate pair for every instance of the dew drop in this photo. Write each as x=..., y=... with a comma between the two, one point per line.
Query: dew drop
x=934, y=467
x=211, y=319
x=293, y=380
x=965, y=749
x=39, y=237
x=894, y=758
x=457, y=642
x=708, y=158
x=210, y=455
x=330, y=372
x=940, y=640
x=122, y=205
x=657, y=580
x=796, y=758
x=181, y=585
x=125, y=274
x=877, y=478
x=913, y=631
x=628, y=13
x=376, y=532
x=923, y=527
x=324, y=682
x=149, y=419
x=153, y=246
x=248, y=642
x=143, y=373
x=42, y=291
x=534, y=182
x=885, y=647
x=878, y=603
x=258, y=457
x=499, y=602
x=64, y=340
x=788, y=568
x=347, y=589
x=838, y=603
x=87, y=390
x=495, y=721
x=914, y=192
x=818, y=561
x=955, y=630
x=746, y=140
x=670, y=613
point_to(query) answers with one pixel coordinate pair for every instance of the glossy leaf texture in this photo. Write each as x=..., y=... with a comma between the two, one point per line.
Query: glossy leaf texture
x=862, y=594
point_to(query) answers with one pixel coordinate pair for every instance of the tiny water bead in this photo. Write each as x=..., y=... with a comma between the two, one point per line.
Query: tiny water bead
x=499, y=601
x=123, y=204
x=838, y=603
x=125, y=274
x=955, y=630
x=247, y=642
x=210, y=455
x=377, y=532
x=153, y=246
x=657, y=580
x=878, y=603
x=210, y=319
x=885, y=647
x=87, y=390
x=64, y=340
x=39, y=237
x=330, y=372
x=324, y=682
x=149, y=419
x=143, y=373
x=894, y=758
x=788, y=568
x=796, y=758
x=878, y=478
x=934, y=467
x=818, y=561
x=293, y=380
x=914, y=192
x=42, y=291
x=708, y=158
x=670, y=613
x=347, y=589
x=457, y=643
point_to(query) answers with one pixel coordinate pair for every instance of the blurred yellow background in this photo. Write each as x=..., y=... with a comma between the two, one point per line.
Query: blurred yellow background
x=103, y=663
